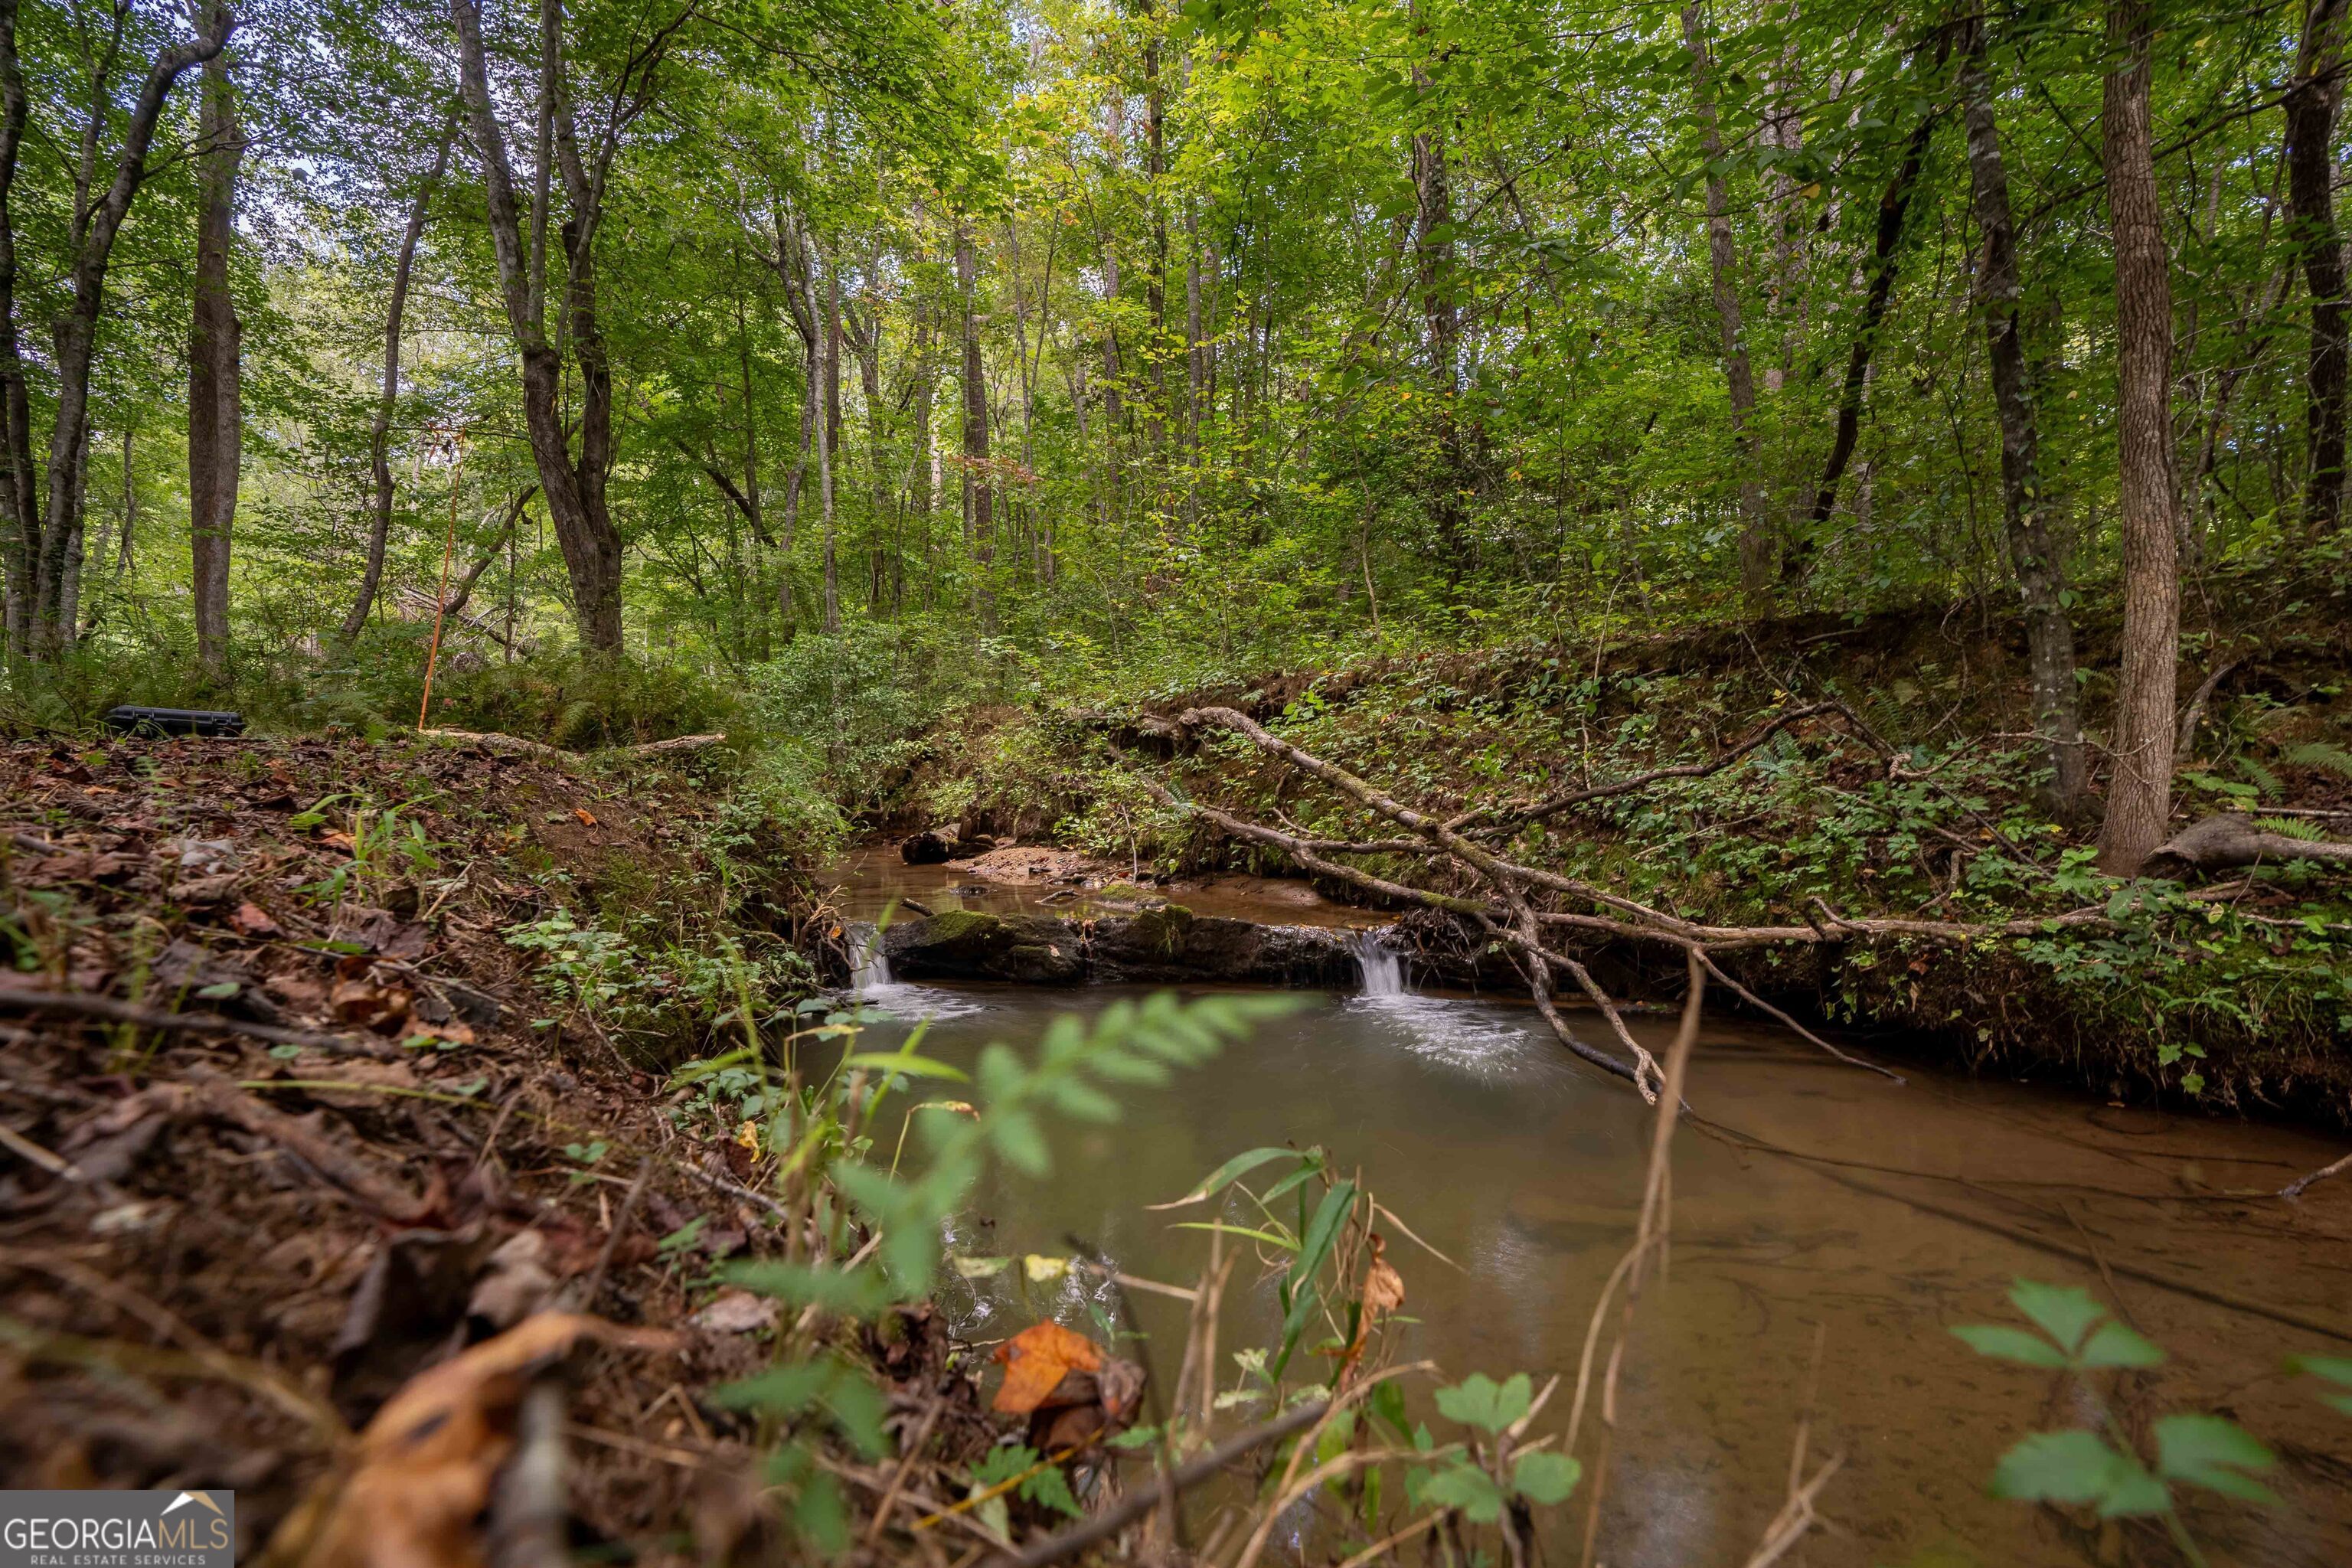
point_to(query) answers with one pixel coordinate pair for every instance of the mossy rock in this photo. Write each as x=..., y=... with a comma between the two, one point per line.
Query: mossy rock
x=1162, y=930
x=959, y=926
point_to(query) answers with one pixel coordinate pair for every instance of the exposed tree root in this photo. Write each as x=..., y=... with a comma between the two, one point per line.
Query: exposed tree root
x=1507, y=909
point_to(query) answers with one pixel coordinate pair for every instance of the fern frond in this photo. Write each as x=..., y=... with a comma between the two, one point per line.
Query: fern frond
x=2263, y=779
x=2290, y=827
x=2322, y=755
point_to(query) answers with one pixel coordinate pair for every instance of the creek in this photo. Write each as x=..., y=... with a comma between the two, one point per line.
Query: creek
x=1910, y=1212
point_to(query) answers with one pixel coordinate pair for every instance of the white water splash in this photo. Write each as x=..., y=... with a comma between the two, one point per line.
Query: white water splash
x=871, y=983
x=868, y=970
x=1382, y=971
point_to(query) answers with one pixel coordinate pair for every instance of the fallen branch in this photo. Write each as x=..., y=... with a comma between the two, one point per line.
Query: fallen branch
x=74, y=1004
x=1509, y=918
x=1143, y=1500
x=515, y=745
x=2295, y=1188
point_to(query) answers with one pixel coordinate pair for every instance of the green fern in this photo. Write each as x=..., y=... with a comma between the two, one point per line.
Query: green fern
x=2264, y=780
x=2322, y=755
x=2290, y=827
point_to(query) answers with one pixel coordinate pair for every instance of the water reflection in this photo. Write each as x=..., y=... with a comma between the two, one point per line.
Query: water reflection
x=1525, y=1169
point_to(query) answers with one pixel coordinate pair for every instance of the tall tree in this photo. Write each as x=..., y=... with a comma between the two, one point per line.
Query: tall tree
x=215, y=404
x=388, y=394
x=19, y=520
x=2313, y=99
x=1739, y=370
x=1885, y=254
x=2140, y=800
x=979, y=506
x=45, y=530
x=1441, y=311
x=574, y=485
x=2032, y=557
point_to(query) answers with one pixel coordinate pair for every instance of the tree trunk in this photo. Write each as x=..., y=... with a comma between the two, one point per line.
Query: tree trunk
x=1442, y=327
x=1156, y=281
x=214, y=405
x=1196, y=350
x=74, y=336
x=1738, y=373
x=1893, y=205
x=2312, y=102
x=828, y=437
x=2139, y=801
x=388, y=396
x=1115, y=127
x=573, y=489
x=2041, y=576
x=20, y=539
x=979, y=514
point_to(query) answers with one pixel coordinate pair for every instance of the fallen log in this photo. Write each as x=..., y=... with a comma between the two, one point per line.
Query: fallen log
x=2230, y=842
x=516, y=746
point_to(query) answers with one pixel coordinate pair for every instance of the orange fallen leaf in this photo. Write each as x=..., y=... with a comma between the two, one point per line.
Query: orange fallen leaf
x=252, y=920
x=581, y=812
x=1034, y=1360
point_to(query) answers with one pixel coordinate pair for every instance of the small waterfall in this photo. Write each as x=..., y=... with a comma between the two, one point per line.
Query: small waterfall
x=1384, y=971
x=868, y=968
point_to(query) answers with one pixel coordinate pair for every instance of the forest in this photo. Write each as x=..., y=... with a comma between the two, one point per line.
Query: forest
x=1543, y=635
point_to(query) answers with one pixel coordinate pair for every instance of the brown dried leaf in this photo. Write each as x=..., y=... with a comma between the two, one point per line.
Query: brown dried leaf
x=252, y=920
x=1034, y=1360
x=1383, y=1285
x=427, y=1464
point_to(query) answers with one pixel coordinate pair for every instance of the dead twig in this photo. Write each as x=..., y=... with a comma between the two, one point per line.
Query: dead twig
x=74, y=1004
x=1143, y=1500
x=2294, y=1189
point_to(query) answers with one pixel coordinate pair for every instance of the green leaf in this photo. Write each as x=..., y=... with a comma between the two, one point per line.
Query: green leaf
x=778, y=1391
x=1017, y=1138
x=912, y=1066
x=2335, y=1369
x=1466, y=1486
x=1322, y=1231
x=856, y=1293
x=1546, y=1477
x=1083, y=1102
x=2112, y=1344
x=1239, y=1165
x=2078, y=1467
x=2210, y=1452
x=2064, y=1313
x=858, y=1409
x=219, y=993
x=1265, y=1236
x=2006, y=1343
x=820, y=1513
x=1001, y=1465
x=1479, y=1401
x=1049, y=1488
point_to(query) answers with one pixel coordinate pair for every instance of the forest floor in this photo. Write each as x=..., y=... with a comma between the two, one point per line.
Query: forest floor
x=311, y=1081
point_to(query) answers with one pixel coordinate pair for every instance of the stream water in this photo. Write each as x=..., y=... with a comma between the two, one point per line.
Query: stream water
x=1525, y=1167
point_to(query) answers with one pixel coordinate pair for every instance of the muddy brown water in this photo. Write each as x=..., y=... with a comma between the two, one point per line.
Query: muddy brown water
x=1525, y=1167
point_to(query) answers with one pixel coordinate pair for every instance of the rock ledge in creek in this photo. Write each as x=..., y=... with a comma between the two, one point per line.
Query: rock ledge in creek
x=1161, y=946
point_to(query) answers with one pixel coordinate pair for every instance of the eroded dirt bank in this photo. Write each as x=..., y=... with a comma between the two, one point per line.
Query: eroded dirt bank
x=1906, y=795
